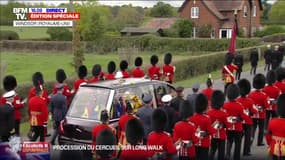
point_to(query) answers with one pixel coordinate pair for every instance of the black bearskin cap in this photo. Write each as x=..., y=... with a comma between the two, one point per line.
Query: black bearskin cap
x=167, y=58
x=280, y=72
x=134, y=131
x=233, y=91
x=138, y=61
x=209, y=82
x=82, y=71
x=9, y=83
x=124, y=65
x=229, y=58
x=111, y=67
x=271, y=77
x=38, y=79
x=96, y=70
x=201, y=103
x=104, y=116
x=244, y=87
x=159, y=120
x=281, y=105
x=153, y=59
x=259, y=81
x=105, y=137
x=60, y=75
x=217, y=99
x=185, y=110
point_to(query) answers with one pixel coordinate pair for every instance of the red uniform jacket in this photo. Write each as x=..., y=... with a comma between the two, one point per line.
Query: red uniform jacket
x=17, y=106
x=32, y=93
x=228, y=75
x=236, y=114
x=203, y=124
x=276, y=136
x=208, y=93
x=77, y=84
x=138, y=73
x=122, y=127
x=161, y=139
x=38, y=111
x=154, y=72
x=138, y=152
x=218, y=120
x=110, y=76
x=272, y=92
x=125, y=74
x=280, y=85
x=66, y=92
x=94, y=80
x=168, y=72
x=260, y=100
x=248, y=108
x=185, y=131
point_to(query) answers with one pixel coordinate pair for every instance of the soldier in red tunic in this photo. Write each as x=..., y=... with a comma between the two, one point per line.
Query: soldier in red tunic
x=135, y=148
x=272, y=92
x=280, y=83
x=97, y=73
x=209, y=90
x=10, y=84
x=218, y=119
x=111, y=71
x=159, y=137
x=275, y=136
x=244, y=86
x=138, y=72
x=82, y=73
x=154, y=72
x=260, y=100
x=228, y=71
x=38, y=113
x=236, y=114
x=168, y=69
x=124, y=66
x=184, y=133
x=204, y=127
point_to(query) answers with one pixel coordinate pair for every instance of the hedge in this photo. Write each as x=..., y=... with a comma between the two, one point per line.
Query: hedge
x=143, y=43
x=8, y=35
x=278, y=37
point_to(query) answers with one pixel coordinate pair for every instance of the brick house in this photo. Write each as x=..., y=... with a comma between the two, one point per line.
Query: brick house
x=220, y=14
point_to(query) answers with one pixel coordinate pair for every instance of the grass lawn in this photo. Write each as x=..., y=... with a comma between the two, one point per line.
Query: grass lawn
x=28, y=32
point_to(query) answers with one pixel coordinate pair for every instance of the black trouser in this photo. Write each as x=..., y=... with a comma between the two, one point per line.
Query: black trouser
x=17, y=127
x=233, y=137
x=267, y=67
x=39, y=132
x=277, y=158
x=253, y=69
x=247, y=138
x=238, y=72
x=220, y=145
x=260, y=123
x=55, y=131
x=269, y=114
x=202, y=153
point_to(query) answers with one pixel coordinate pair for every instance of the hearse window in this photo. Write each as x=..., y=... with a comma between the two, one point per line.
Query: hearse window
x=89, y=102
x=131, y=95
x=161, y=90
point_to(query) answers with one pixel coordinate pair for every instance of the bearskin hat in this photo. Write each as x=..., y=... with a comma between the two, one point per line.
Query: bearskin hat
x=138, y=61
x=280, y=105
x=38, y=79
x=96, y=70
x=233, y=91
x=229, y=58
x=244, y=87
x=111, y=67
x=9, y=83
x=209, y=82
x=104, y=116
x=134, y=131
x=124, y=65
x=217, y=99
x=201, y=103
x=60, y=75
x=258, y=81
x=167, y=58
x=185, y=110
x=159, y=120
x=280, y=72
x=82, y=71
x=271, y=77
x=153, y=60
x=105, y=137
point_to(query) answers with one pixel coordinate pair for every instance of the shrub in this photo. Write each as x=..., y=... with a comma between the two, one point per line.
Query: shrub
x=60, y=34
x=8, y=35
x=278, y=37
x=270, y=30
x=204, y=31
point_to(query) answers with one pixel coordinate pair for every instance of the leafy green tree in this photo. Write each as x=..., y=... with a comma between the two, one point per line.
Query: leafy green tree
x=162, y=10
x=277, y=13
x=184, y=27
x=204, y=31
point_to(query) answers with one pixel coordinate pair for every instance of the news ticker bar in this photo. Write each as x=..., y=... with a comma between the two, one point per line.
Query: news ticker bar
x=33, y=23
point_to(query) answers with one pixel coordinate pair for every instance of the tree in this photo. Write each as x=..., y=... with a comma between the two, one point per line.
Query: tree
x=276, y=13
x=162, y=10
x=204, y=31
x=184, y=27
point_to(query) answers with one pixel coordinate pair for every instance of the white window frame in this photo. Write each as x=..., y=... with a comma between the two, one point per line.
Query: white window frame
x=244, y=11
x=254, y=11
x=194, y=12
x=229, y=33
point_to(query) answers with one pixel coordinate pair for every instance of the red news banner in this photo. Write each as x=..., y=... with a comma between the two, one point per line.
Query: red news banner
x=54, y=16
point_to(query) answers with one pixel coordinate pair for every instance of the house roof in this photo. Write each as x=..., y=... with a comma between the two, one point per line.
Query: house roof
x=163, y=23
x=213, y=8
x=139, y=30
